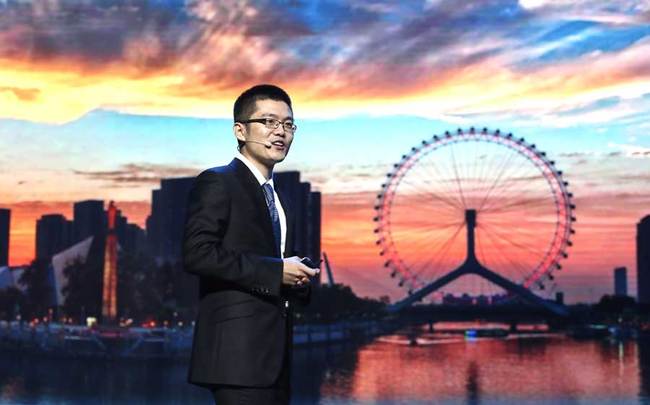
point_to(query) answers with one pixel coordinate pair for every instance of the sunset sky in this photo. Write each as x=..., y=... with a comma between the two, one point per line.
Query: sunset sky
x=102, y=99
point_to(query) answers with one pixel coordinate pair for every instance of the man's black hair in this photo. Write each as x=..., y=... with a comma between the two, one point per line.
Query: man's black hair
x=245, y=103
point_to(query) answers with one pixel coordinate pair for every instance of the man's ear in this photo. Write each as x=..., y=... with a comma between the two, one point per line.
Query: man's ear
x=240, y=131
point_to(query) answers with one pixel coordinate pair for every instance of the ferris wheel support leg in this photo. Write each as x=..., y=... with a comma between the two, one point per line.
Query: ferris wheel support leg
x=473, y=267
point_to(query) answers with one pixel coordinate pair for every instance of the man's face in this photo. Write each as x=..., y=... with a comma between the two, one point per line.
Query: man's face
x=279, y=138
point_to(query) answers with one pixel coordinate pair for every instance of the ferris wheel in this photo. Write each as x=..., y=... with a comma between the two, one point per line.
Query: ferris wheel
x=480, y=204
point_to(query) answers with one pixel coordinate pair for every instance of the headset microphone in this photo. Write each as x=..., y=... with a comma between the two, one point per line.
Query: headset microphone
x=267, y=144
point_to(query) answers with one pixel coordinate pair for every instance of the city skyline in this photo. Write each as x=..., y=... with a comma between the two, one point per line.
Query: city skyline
x=338, y=274
x=369, y=81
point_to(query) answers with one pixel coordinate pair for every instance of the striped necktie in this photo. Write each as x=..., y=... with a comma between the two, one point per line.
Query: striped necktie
x=273, y=212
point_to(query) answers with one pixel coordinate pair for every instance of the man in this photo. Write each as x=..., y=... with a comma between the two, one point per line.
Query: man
x=238, y=234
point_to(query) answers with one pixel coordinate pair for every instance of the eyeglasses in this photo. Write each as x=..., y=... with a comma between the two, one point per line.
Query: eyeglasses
x=271, y=123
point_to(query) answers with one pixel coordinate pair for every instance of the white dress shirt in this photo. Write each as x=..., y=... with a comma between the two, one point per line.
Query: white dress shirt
x=262, y=180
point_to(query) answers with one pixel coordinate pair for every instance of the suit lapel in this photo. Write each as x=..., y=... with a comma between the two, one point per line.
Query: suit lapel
x=254, y=190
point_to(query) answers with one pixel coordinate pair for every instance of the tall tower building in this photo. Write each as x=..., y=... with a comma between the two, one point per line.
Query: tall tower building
x=643, y=260
x=306, y=205
x=53, y=235
x=109, y=285
x=5, y=221
x=165, y=225
x=89, y=219
x=620, y=281
x=130, y=237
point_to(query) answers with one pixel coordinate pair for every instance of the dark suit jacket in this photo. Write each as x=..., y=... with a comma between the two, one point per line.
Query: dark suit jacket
x=244, y=318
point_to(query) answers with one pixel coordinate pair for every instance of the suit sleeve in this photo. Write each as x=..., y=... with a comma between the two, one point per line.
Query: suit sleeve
x=208, y=213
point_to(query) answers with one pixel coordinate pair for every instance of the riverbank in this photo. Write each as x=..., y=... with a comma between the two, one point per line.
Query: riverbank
x=157, y=342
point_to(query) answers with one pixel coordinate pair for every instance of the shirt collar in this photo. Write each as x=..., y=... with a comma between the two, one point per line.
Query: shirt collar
x=258, y=175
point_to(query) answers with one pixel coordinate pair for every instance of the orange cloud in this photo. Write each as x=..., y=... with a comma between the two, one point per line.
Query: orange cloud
x=195, y=60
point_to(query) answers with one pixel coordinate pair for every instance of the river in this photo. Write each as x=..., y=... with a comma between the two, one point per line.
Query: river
x=451, y=369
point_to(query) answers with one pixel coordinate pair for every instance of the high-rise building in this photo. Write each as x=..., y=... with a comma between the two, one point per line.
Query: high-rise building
x=165, y=229
x=314, y=226
x=53, y=234
x=130, y=237
x=134, y=239
x=5, y=222
x=89, y=219
x=167, y=219
x=166, y=224
x=306, y=206
x=643, y=260
x=620, y=281
x=109, y=284
x=153, y=225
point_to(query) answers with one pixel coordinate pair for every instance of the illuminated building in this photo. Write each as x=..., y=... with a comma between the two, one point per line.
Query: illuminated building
x=109, y=295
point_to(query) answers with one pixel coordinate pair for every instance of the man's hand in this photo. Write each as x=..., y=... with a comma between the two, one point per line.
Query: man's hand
x=296, y=273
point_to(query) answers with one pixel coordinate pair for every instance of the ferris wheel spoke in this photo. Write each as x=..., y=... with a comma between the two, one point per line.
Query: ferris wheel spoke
x=408, y=225
x=513, y=269
x=501, y=265
x=506, y=197
x=497, y=179
x=523, y=191
x=425, y=194
x=419, y=240
x=473, y=163
x=484, y=172
x=516, y=232
x=427, y=197
x=528, y=203
x=523, y=247
x=426, y=244
x=494, y=172
x=429, y=171
x=405, y=222
x=436, y=256
x=532, y=234
x=508, y=177
x=457, y=178
x=527, y=191
x=435, y=195
x=444, y=175
x=400, y=229
x=434, y=262
x=506, y=261
x=420, y=245
x=512, y=177
x=513, y=243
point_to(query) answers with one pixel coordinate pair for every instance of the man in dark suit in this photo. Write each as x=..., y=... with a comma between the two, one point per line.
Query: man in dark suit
x=239, y=241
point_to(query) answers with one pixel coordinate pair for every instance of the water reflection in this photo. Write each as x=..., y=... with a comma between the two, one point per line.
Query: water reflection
x=643, y=352
x=550, y=369
x=444, y=369
x=473, y=387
